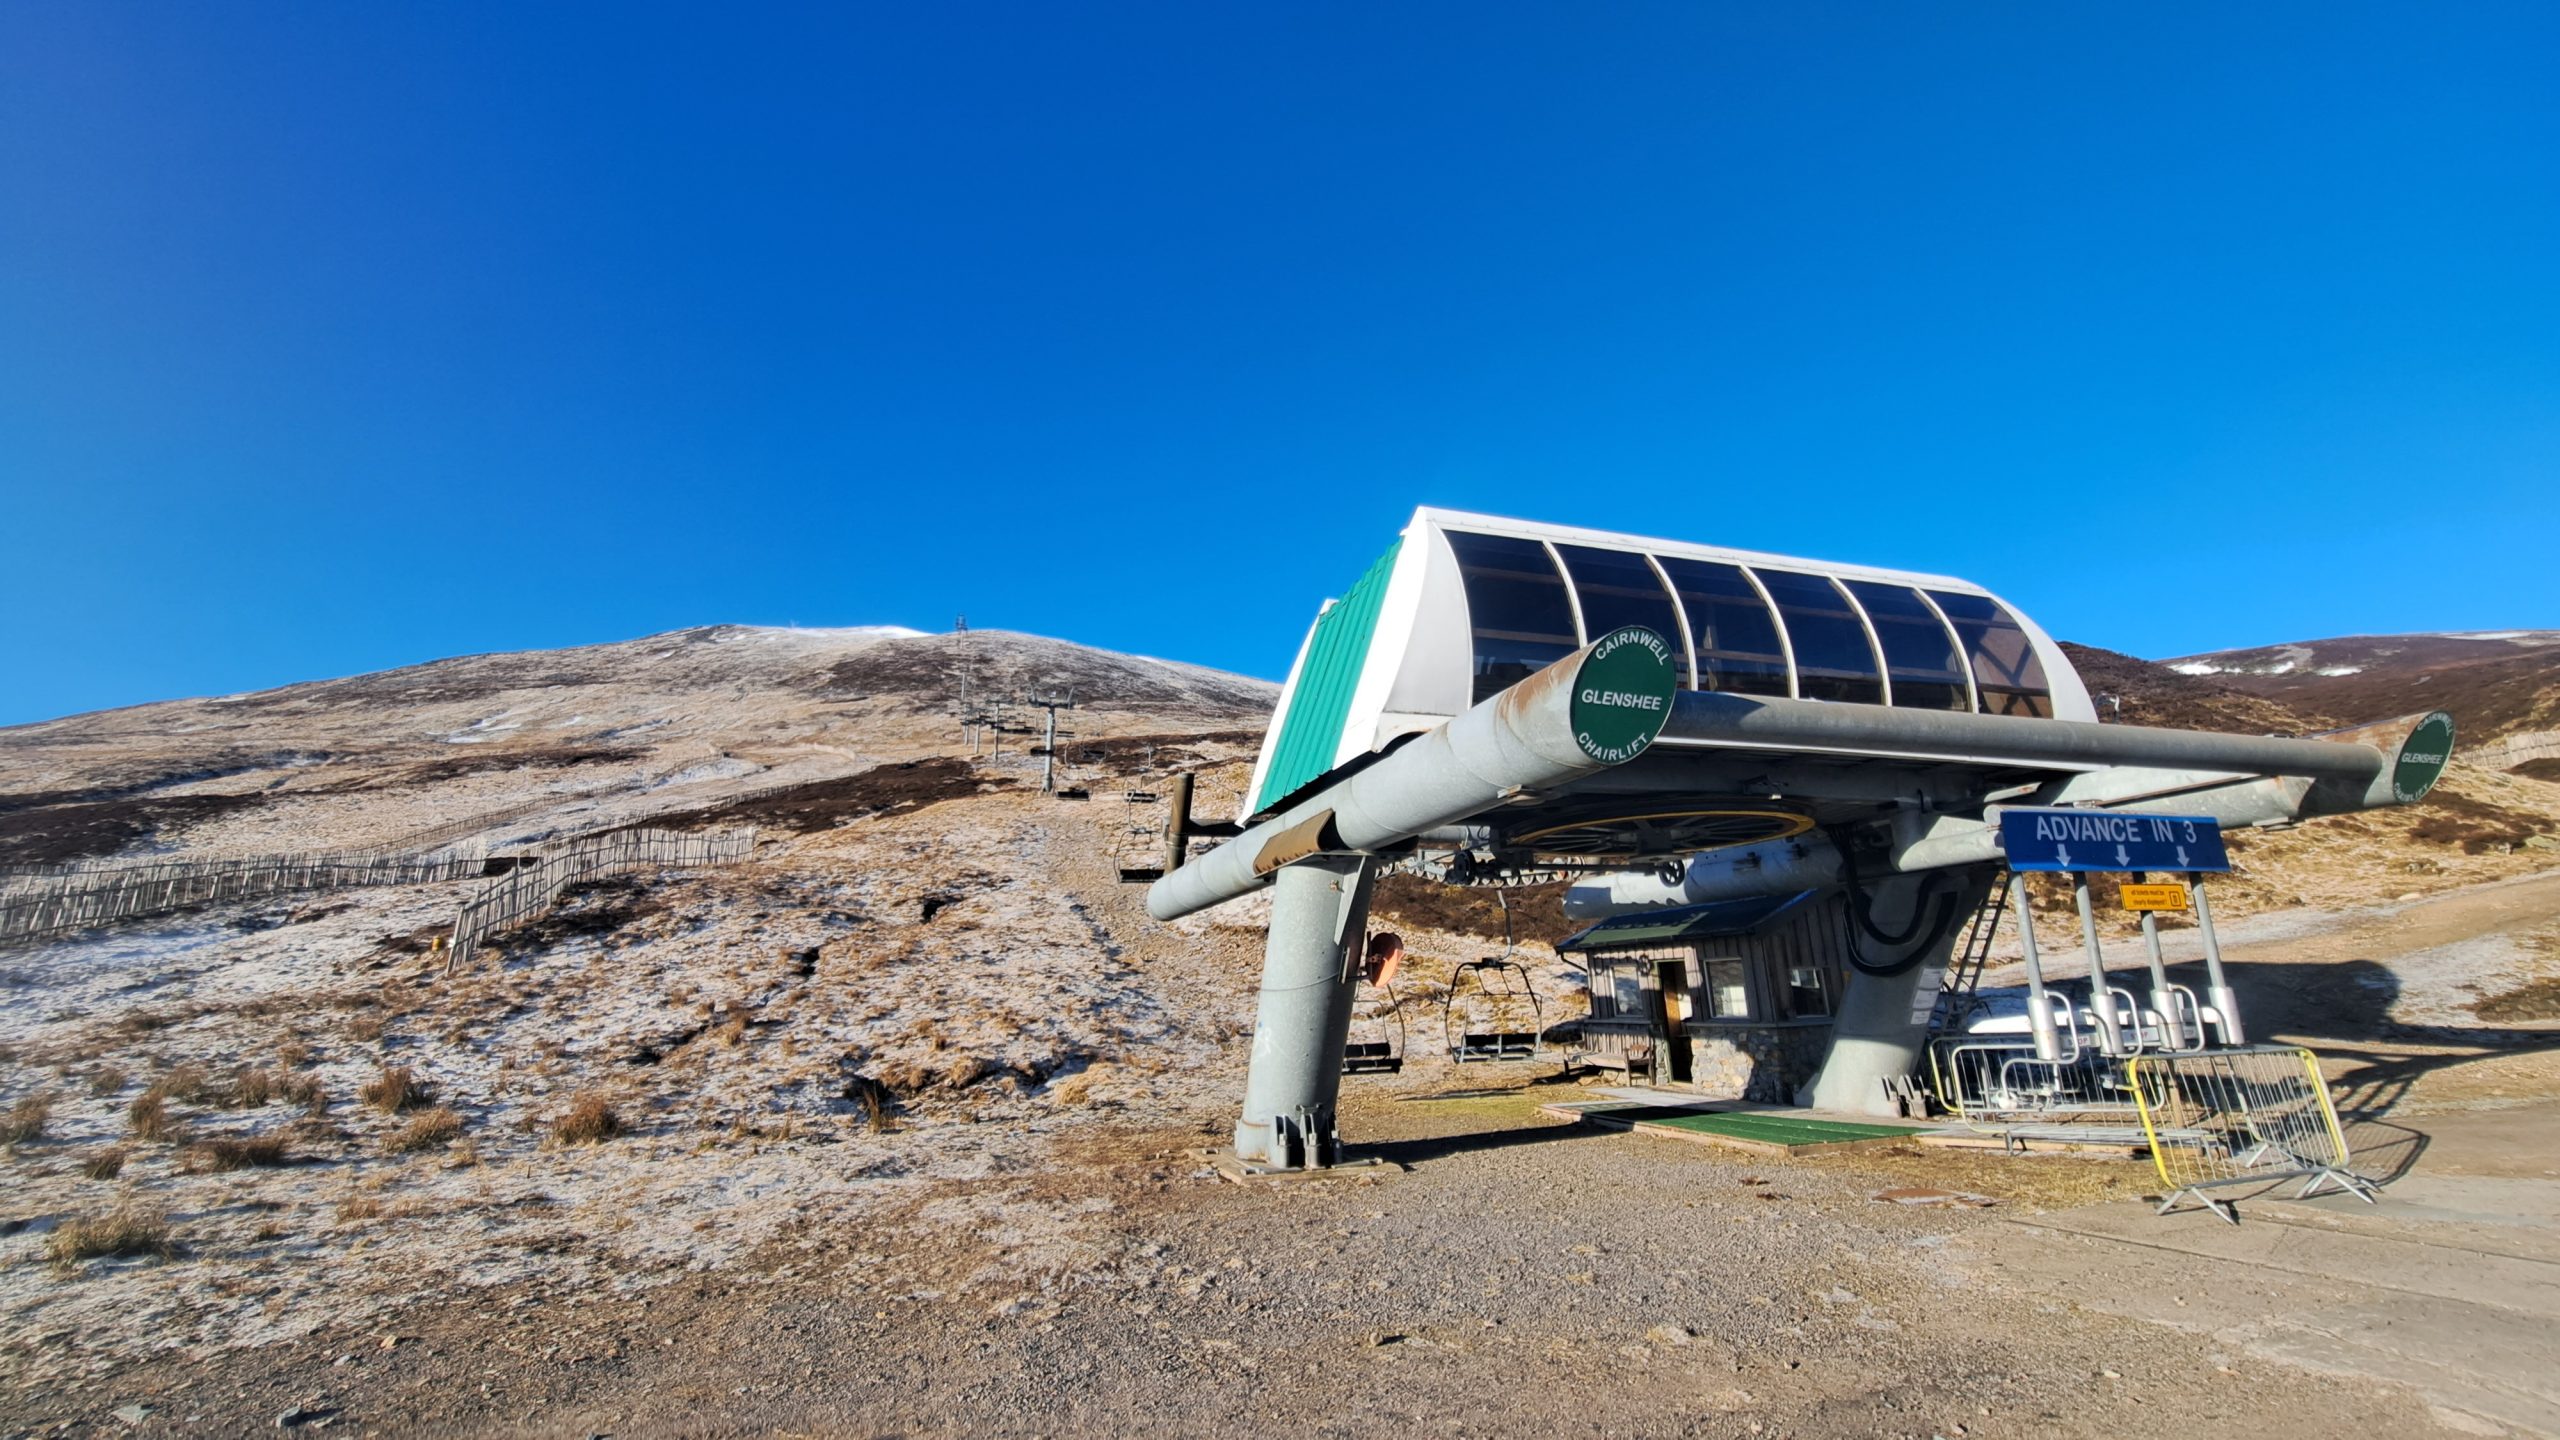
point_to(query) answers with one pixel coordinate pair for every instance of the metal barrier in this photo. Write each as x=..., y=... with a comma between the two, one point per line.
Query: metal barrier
x=80, y=897
x=2257, y=1114
x=523, y=892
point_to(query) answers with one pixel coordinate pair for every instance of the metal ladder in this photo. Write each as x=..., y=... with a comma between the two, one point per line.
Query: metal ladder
x=1964, y=972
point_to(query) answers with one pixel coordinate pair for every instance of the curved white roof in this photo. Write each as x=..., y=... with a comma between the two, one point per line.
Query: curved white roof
x=1465, y=605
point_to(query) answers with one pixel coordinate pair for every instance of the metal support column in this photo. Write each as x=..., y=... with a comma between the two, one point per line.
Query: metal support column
x=2224, y=1002
x=1310, y=973
x=2102, y=1005
x=2039, y=1012
x=2164, y=1001
x=1880, y=1025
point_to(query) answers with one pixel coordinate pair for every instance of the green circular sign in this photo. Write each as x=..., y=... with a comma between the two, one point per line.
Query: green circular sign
x=2422, y=758
x=1622, y=694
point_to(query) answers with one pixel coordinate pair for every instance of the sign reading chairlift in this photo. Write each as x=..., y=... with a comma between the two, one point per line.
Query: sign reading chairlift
x=2110, y=840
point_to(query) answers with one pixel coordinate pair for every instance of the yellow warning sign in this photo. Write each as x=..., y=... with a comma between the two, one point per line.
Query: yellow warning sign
x=2153, y=897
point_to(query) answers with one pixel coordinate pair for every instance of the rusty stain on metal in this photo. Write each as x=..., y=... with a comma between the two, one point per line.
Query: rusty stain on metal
x=1311, y=836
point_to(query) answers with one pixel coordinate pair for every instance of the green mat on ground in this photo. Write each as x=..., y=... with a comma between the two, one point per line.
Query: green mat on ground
x=1774, y=1129
x=1635, y=1110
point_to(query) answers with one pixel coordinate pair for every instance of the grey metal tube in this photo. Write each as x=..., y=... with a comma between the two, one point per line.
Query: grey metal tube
x=2163, y=1000
x=1810, y=863
x=1521, y=739
x=2101, y=1004
x=2215, y=983
x=1761, y=723
x=1318, y=909
x=2039, y=1012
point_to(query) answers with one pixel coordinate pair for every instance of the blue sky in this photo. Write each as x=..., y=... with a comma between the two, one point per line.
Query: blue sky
x=335, y=337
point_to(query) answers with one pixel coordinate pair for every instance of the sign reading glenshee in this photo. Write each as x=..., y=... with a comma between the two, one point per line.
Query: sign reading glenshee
x=2110, y=840
x=1622, y=695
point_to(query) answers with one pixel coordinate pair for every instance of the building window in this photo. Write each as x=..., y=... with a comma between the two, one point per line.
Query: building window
x=1735, y=635
x=1728, y=990
x=1919, y=653
x=1517, y=607
x=2006, y=670
x=1618, y=589
x=1806, y=996
x=1617, y=991
x=1834, y=658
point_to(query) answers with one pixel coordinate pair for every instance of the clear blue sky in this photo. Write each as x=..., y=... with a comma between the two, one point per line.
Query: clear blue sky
x=341, y=336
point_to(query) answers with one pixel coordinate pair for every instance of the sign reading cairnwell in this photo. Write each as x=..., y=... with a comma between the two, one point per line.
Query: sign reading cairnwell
x=1622, y=695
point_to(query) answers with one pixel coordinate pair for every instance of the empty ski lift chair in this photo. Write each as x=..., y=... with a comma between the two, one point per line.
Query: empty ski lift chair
x=1482, y=1021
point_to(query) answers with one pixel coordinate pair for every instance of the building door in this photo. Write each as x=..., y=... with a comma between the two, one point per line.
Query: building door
x=1672, y=1008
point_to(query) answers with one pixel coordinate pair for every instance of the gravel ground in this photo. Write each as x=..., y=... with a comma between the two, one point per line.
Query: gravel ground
x=1521, y=1276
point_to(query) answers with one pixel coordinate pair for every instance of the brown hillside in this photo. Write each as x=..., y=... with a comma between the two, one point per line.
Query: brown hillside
x=2495, y=685
x=2147, y=694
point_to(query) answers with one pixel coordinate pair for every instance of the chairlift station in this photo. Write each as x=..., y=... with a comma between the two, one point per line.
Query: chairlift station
x=1789, y=798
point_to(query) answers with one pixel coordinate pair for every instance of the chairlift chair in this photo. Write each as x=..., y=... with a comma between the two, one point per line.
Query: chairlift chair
x=1488, y=1028
x=1375, y=1048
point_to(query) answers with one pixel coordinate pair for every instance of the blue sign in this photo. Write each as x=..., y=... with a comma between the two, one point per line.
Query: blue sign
x=2110, y=840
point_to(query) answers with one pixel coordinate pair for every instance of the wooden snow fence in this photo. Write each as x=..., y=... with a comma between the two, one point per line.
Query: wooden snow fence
x=37, y=904
x=532, y=888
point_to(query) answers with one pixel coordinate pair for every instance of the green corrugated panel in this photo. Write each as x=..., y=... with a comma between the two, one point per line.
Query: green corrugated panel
x=1312, y=729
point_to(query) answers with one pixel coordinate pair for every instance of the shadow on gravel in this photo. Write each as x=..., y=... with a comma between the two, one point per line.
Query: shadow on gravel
x=1441, y=1147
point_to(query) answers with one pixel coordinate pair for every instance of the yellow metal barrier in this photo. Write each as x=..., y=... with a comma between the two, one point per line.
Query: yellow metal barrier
x=2257, y=1114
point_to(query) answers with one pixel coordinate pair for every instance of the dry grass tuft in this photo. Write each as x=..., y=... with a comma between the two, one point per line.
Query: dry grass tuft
x=106, y=1080
x=429, y=1130
x=590, y=1120
x=293, y=1052
x=1077, y=1089
x=366, y=1028
x=150, y=1118
x=252, y=1152
x=26, y=1119
x=877, y=1102
x=252, y=1088
x=396, y=1089
x=360, y=1207
x=127, y=1230
x=105, y=1165
x=2533, y=1000
x=186, y=1083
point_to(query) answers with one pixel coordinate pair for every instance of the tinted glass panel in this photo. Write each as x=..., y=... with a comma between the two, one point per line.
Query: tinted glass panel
x=1517, y=607
x=1805, y=995
x=2005, y=667
x=1833, y=659
x=1728, y=992
x=1919, y=654
x=1617, y=990
x=1616, y=589
x=1737, y=638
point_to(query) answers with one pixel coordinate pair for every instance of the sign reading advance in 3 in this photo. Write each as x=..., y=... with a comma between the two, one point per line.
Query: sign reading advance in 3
x=1622, y=694
x=2110, y=840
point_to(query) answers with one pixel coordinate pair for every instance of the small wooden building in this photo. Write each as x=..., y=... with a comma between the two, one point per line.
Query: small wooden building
x=1732, y=999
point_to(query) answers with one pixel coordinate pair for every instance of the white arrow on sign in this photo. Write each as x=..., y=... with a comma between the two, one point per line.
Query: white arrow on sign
x=2182, y=857
x=2123, y=856
x=2062, y=855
